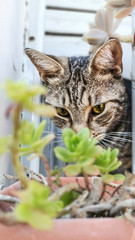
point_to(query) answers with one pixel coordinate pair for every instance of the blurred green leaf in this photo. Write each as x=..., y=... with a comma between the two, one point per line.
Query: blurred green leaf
x=33, y=217
x=56, y=171
x=38, y=133
x=39, y=145
x=113, y=166
x=67, y=135
x=107, y=161
x=42, y=110
x=84, y=133
x=119, y=177
x=4, y=144
x=36, y=147
x=63, y=154
x=22, y=93
x=69, y=197
x=80, y=149
x=26, y=132
x=87, y=147
x=91, y=170
x=72, y=170
x=36, y=192
x=35, y=208
x=114, y=154
x=107, y=178
x=30, y=138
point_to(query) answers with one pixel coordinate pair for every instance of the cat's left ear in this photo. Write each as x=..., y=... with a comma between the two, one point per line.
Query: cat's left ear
x=46, y=65
x=108, y=57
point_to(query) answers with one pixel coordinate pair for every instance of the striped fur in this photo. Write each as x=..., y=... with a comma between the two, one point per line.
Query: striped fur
x=79, y=84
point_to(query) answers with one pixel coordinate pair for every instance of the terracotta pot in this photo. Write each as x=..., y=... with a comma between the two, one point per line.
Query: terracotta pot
x=70, y=229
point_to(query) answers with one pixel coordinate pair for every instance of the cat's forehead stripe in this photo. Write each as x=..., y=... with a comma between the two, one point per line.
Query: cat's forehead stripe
x=79, y=62
x=75, y=85
x=76, y=97
x=68, y=97
x=76, y=66
x=82, y=92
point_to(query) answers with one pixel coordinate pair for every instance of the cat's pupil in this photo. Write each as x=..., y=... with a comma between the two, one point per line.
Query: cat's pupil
x=98, y=109
x=62, y=112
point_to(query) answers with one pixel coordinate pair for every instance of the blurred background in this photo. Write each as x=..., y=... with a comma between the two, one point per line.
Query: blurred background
x=54, y=27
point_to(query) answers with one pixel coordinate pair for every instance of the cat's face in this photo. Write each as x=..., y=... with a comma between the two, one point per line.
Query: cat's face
x=86, y=91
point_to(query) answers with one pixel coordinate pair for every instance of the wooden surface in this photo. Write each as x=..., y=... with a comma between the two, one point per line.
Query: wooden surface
x=62, y=21
x=65, y=23
x=65, y=46
x=72, y=22
x=76, y=4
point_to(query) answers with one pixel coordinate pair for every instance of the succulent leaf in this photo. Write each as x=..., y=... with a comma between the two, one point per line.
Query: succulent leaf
x=72, y=170
x=35, y=206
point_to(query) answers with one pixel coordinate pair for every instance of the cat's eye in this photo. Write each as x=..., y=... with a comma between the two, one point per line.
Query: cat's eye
x=98, y=109
x=62, y=112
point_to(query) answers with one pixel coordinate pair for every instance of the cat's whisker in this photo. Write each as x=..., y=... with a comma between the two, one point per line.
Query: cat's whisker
x=120, y=139
x=112, y=142
x=117, y=133
x=121, y=133
x=120, y=136
x=106, y=144
x=102, y=145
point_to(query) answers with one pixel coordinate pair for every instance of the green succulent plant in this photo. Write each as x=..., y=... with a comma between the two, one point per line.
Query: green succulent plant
x=35, y=208
x=85, y=156
x=31, y=139
x=107, y=162
x=80, y=151
x=22, y=93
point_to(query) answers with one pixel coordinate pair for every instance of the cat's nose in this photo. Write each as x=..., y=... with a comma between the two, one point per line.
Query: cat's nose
x=78, y=127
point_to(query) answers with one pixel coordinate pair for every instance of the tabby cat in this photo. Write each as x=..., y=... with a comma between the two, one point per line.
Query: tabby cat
x=90, y=92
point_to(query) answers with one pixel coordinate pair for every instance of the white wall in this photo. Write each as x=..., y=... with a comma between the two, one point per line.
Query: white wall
x=11, y=55
x=20, y=21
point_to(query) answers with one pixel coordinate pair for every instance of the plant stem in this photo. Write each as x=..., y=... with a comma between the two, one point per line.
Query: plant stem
x=15, y=148
x=48, y=172
x=86, y=180
x=120, y=206
x=36, y=176
x=116, y=189
x=9, y=199
x=94, y=194
x=103, y=191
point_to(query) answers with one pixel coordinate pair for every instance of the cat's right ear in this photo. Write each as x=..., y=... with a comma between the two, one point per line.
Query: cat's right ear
x=46, y=65
x=108, y=57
